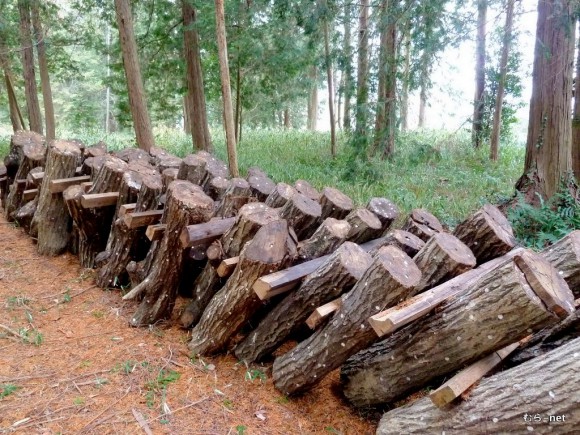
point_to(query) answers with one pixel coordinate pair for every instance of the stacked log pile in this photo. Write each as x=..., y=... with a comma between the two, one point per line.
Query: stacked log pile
x=397, y=310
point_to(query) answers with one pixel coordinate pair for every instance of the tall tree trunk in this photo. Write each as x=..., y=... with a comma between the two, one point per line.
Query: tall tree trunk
x=137, y=100
x=422, y=105
x=502, y=76
x=576, y=119
x=347, y=73
x=15, y=114
x=330, y=83
x=406, y=76
x=198, y=112
x=549, y=144
x=43, y=68
x=238, y=101
x=286, y=118
x=478, y=102
x=31, y=91
x=187, y=103
x=312, y=100
x=226, y=89
x=362, y=85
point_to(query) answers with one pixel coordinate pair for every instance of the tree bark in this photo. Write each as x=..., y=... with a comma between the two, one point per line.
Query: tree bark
x=334, y=204
x=137, y=100
x=328, y=236
x=405, y=241
x=404, y=116
x=236, y=302
x=422, y=224
x=520, y=400
x=389, y=280
x=347, y=73
x=329, y=81
x=564, y=255
x=385, y=210
x=362, y=87
x=576, y=119
x=237, y=194
x=302, y=214
x=261, y=187
x=509, y=302
x=494, y=147
x=15, y=114
x=335, y=276
x=280, y=195
x=479, y=99
x=306, y=189
x=312, y=115
x=365, y=226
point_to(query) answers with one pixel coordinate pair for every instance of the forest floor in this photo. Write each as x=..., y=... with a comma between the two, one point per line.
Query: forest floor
x=69, y=363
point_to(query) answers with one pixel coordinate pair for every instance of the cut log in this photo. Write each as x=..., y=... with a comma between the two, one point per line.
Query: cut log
x=443, y=257
x=34, y=177
x=140, y=219
x=235, y=303
x=33, y=155
x=254, y=171
x=365, y=226
x=234, y=198
x=92, y=165
x=25, y=214
x=51, y=221
x=336, y=275
x=187, y=204
x=129, y=155
x=281, y=194
x=217, y=188
x=305, y=188
x=261, y=187
x=539, y=396
x=214, y=169
x=495, y=310
x=487, y=233
x=391, y=277
x=98, y=200
x=302, y=214
x=334, y=204
x=227, y=266
x=155, y=232
x=167, y=176
x=405, y=241
x=422, y=224
x=15, y=155
x=385, y=210
x=206, y=233
x=193, y=169
x=322, y=313
x=565, y=257
x=250, y=219
x=168, y=162
x=330, y=235
x=59, y=185
x=96, y=150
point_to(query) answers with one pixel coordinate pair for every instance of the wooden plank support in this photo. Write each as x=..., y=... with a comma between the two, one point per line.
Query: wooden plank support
x=204, y=234
x=142, y=218
x=323, y=312
x=29, y=195
x=463, y=380
x=96, y=200
x=227, y=266
x=60, y=185
x=86, y=186
x=155, y=232
x=285, y=280
x=126, y=209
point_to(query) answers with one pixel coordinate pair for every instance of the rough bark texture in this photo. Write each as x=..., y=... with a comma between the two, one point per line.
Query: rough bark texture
x=405, y=241
x=497, y=309
x=422, y=224
x=391, y=277
x=193, y=169
x=25, y=214
x=519, y=400
x=443, y=257
x=186, y=204
x=364, y=226
x=234, y=198
x=236, y=302
x=335, y=276
x=51, y=221
x=306, y=189
x=565, y=257
x=334, y=203
x=302, y=214
x=327, y=237
x=250, y=219
x=261, y=187
x=218, y=187
x=385, y=210
x=479, y=98
x=281, y=194
x=167, y=176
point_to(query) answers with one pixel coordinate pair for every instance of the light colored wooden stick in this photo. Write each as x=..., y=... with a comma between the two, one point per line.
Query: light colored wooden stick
x=126, y=209
x=29, y=195
x=322, y=312
x=155, y=232
x=86, y=186
x=60, y=185
x=142, y=218
x=227, y=266
x=94, y=200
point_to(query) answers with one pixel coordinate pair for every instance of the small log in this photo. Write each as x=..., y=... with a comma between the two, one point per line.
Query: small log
x=142, y=218
x=193, y=169
x=235, y=303
x=334, y=204
x=25, y=214
x=254, y=171
x=129, y=155
x=261, y=187
x=214, y=169
x=60, y=185
x=329, y=235
x=234, y=198
x=51, y=221
x=206, y=233
x=155, y=232
x=385, y=210
x=217, y=188
x=302, y=214
x=409, y=243
x=186, y=204
x=214, y=254
x=281, y=194
x=322, y=313
x=497, y=309
x=565, y=257
x=422, y=224
x=168, y=162
x=390, y=278
x=539, y=396
x=97, y=200
x=169, y=175
x=305, y=188
x=365, y=226
x=443, y=257
x=487, y=233
x=336, y=275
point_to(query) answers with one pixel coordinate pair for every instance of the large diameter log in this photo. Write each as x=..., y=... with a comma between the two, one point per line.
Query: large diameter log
x=302, y=214
x=365, y=226
x=390, y=278
x=51, y=221
x=217, y=188
x=539, y=396
x=214, y=169
x=235, y=303
x=328, y=236
x=565, y=256
x=487, y=233
x=385, y=210
x=443, y=257
x=261, y=187
x=206, y=233
x=409, y=243
x=305, y=188
x=186, y=204
x=502, y=306
x=18, y=141
x=422, y=224
x=237, y=194
x=335, y=276
x=281, y=194
x=334, y=204
x=193, y=169
x=129, y=155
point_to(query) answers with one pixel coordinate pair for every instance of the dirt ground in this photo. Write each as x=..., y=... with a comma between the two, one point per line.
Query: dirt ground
x=69, y=363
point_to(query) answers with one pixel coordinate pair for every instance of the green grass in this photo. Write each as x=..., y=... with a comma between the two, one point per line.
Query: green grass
x=451, y=183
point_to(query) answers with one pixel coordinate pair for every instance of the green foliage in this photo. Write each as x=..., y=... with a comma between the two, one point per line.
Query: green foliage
x=253, y=374
x=538, y=227
x=241, y=429
x=7, y=389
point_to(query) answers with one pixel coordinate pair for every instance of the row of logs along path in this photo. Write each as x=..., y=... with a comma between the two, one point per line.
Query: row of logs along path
x=395, y=309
